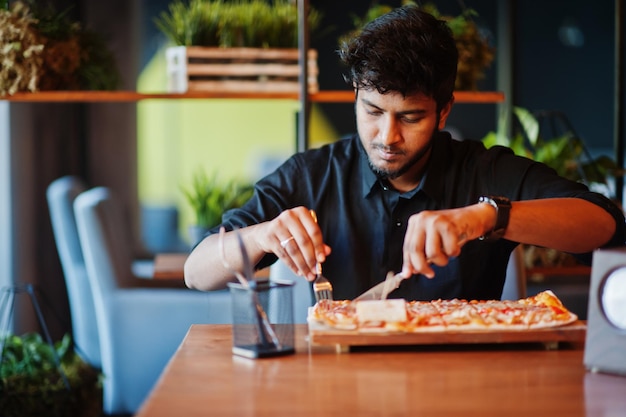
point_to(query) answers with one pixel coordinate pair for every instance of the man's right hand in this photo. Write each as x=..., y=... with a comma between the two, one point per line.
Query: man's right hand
x=295, y=237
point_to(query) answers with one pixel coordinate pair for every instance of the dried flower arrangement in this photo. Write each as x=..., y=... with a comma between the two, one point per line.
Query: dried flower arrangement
x=20, y=50
x=43, y=50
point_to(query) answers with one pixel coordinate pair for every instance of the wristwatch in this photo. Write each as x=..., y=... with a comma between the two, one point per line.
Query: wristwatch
x=503, y=209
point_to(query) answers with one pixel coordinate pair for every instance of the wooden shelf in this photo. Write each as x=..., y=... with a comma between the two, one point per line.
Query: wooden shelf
x=560, y=270
x=484, y=97
x=347, y=96
x=131, y=96
x=339, y=96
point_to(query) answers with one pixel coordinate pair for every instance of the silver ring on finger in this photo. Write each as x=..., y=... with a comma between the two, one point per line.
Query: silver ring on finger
x=284, y=243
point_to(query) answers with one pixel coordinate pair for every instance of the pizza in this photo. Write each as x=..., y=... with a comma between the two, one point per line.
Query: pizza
x=543, y=310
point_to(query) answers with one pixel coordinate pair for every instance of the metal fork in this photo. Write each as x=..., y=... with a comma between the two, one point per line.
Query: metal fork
x=322, y=287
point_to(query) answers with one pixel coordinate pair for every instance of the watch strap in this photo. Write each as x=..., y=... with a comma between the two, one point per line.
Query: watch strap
x=503, y=210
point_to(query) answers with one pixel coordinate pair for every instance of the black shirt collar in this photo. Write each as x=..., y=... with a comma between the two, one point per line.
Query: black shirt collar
x=433, y=180
x=368, y=179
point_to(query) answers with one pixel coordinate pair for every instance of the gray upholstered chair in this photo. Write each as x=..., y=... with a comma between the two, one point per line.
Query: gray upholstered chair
x=515, y=281
x=61, y=194
x=139, y=328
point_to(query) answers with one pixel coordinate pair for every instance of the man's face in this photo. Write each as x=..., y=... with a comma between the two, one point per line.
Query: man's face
x=396, y=133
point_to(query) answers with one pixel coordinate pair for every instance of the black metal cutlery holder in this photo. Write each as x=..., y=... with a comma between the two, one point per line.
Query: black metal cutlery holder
x=263, y=324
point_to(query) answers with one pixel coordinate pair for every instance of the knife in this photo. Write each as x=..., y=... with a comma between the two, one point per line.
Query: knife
x=381, y=290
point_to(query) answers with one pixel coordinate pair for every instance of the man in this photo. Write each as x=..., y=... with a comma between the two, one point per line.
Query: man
x=402, y=195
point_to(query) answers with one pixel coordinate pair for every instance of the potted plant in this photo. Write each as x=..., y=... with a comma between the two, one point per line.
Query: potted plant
x=564, y=151
x=475, y=53
x=209, y=198
x=247, y=45
x=45, y=50
x=21, y=50
x=566, y=154
x=37, y=379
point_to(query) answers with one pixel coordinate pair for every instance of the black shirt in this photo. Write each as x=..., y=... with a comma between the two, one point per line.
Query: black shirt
x=364, y=221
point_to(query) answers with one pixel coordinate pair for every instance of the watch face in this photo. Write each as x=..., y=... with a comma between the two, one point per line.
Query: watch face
x=613, y=298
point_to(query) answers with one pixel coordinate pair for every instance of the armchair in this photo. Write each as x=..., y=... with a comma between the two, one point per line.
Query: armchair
x=139, y=328
x=60, y=195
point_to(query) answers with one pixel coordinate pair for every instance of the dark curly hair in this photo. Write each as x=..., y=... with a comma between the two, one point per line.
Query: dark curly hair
x=406, y=50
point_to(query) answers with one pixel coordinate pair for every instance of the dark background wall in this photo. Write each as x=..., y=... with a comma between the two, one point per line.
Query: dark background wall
x=565, y=60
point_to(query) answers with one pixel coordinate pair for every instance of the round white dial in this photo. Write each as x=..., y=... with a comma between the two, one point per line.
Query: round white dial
x=613, y=298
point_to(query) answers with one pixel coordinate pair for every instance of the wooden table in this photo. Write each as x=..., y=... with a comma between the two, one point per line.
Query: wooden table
x=204, y=378
x=172, y=266
x=169, y=265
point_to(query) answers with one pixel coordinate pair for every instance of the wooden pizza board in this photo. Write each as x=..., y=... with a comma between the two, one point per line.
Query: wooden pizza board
x=343, y=339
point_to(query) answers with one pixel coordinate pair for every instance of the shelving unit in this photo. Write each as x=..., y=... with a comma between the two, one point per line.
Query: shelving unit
x=330, y=96
x=338, y=96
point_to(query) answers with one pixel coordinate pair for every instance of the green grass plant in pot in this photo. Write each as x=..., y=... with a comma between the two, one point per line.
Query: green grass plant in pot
x=210, y=198
x=240, y=23
x=239, y=45
x=33, y=383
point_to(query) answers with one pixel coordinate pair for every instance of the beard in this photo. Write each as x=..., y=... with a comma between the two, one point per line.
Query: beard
x=392, y=174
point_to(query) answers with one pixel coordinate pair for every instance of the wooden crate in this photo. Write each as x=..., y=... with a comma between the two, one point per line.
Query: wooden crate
x=237, y=69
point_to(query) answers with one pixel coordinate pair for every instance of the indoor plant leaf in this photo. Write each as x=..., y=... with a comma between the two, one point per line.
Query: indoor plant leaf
x=31, y=382
x=529, y=123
